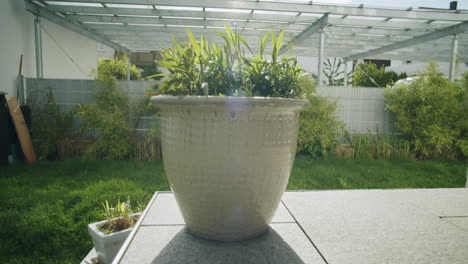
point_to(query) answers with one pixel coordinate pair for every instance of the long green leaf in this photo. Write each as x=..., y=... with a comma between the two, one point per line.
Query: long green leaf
x=176, y=43
x=263, y=44
x=166, y=64
x=193, y=41
x=273, y=38
x=246, y=44
x=280, y=39
x=157, y=75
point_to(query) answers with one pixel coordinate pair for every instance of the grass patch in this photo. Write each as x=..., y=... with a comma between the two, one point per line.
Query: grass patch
x=309, y=174
x=46, y=207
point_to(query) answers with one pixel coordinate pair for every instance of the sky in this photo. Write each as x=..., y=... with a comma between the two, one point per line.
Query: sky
x=462, y=4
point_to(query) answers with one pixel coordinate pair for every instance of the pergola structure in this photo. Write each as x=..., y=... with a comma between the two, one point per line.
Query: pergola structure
x=311, y=29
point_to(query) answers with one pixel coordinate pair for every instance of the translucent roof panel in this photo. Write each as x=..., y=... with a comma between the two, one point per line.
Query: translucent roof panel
x=184, y=8
x=352, y=31
x=275, y=13
x=129, y=6
x=225, y=10
x=72, y=4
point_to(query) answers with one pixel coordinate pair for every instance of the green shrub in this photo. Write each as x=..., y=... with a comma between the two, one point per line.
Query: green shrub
x=49, y=125
x=115, y=68
x=430, y=114
x=318, y=125
x=106, y=121
x=368, y=75
x=462, y=142
x=464, y=82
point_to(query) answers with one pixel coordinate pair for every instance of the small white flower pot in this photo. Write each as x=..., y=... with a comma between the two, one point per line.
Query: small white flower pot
x=107, y=245
x=228, y=160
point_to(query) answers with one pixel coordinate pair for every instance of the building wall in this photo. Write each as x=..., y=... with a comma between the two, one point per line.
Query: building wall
x=413, y=67
x=17, y=31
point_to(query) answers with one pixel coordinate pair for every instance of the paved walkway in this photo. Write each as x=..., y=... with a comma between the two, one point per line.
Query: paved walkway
x=355, y=226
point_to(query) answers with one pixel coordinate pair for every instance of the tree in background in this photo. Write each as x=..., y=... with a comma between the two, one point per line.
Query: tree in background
x=334, y=71
x=368, y=75
x=149, y=70
x=107, y=121
x=115, y=68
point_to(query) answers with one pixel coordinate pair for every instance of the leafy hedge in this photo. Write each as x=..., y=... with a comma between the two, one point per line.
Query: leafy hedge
x=319, y=127
x=431, y=114
x=107, y=121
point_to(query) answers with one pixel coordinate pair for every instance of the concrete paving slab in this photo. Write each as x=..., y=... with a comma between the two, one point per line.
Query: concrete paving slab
x=377, y=227
x=461, y=222
x=166, y=212
x=282, y=243
x=90, y=258
x=440, y=202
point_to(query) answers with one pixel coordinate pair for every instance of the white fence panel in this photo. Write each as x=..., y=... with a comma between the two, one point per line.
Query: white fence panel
x=68, y=93
x=361, y=108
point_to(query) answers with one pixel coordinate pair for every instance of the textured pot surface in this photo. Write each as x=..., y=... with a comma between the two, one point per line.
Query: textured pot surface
x=228, y=160
x=107, y=245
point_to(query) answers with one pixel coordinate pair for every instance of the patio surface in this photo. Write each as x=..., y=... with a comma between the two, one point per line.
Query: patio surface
x=352, y=226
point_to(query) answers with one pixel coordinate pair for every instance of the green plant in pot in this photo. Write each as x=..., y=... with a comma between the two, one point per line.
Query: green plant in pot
x=109, y=235
x=229, y=132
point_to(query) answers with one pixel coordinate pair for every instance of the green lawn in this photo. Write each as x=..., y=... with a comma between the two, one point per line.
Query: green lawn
x=47, y=206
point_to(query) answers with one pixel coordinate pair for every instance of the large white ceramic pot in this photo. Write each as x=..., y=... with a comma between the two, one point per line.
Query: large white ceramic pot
x=228, y=160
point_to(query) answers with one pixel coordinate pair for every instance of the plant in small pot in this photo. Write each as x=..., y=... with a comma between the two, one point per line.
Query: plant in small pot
x=228, y=139
x=109, y=235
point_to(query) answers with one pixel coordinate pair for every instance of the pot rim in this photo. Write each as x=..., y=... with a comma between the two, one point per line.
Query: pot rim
x=229, y=101
x=94, y=227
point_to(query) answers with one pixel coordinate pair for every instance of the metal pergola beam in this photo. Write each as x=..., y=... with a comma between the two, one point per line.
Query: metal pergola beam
x=43, y=12
x=329, y=46
x=167, y=38
x=449, y=15
x=321, y=55
x=453, y=57
x=462, y=27
x=254, y=35
x=383, y=39
x=38, y=48
x=337, y=53
x=332, y=50
x=309, y=31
